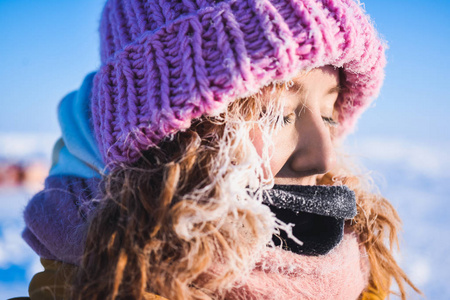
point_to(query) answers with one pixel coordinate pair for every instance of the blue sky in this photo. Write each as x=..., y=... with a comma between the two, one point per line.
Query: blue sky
x=415, y=99
x=47, y=46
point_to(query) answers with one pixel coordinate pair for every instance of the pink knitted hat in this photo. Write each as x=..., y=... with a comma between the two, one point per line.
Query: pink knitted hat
x=165, y=63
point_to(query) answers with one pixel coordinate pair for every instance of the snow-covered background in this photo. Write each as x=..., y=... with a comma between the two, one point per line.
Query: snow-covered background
x=415, y=178
x=48, y=46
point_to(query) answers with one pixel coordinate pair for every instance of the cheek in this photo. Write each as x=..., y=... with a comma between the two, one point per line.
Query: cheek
x=255, y=136
x=280, y=153
x=283, y=150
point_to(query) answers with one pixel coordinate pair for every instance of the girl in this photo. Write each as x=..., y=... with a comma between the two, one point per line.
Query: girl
x=200, y=161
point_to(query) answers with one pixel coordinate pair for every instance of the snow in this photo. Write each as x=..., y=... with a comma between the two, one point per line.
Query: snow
x=430, y=160
x=20, y=146
x=18, y=263
x=414, y=178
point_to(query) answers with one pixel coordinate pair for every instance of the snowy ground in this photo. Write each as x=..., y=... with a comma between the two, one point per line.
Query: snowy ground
x=18, y=262
x=415, y=180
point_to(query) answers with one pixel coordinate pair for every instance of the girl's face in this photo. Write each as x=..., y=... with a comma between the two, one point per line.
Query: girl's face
x=303, y=146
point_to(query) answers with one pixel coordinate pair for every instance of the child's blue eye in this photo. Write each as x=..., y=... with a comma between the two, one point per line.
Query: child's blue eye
x=330, y=121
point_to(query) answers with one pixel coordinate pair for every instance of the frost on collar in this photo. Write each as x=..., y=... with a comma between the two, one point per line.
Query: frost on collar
x=318, y=213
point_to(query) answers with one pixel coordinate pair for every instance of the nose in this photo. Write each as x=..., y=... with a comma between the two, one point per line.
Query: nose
x=315, y=152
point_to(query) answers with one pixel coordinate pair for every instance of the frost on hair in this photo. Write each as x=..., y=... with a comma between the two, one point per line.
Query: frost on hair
x=194, y=199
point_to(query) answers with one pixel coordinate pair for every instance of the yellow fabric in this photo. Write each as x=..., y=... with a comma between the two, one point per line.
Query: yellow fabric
x=51, y=284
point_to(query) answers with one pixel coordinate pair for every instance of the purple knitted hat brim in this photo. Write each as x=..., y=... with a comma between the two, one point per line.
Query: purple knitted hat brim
x=165, y=63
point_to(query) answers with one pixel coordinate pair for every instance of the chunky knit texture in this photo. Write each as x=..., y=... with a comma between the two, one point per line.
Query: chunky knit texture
x=165, y=63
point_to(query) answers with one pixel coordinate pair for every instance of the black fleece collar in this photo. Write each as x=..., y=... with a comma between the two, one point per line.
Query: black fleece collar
x=318, y=212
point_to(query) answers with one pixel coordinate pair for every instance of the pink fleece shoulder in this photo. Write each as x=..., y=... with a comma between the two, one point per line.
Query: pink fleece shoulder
x=340, y=275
